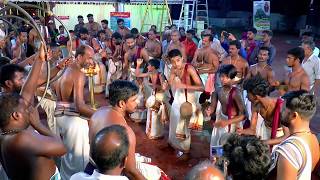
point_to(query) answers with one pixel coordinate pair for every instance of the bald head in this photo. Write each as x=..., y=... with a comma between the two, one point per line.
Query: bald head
x=203, y=171
x=110, y=148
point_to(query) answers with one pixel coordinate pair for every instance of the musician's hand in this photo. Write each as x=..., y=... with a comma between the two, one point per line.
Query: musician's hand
x=64, y=62
x=220, y=124
x=42, y=53
x=139, y=62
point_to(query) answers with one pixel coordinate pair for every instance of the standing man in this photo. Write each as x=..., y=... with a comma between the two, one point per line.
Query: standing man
x=185, y=80
x=79, y=26
x=122, y=29
x=93, y=27
x=266, y=42
x=263, y=68
x=311, y=65
x=237, y=61
x=189, y=45
x=250, y=43
x=153, y=45
x=176, y=44
x=298, y=79
x=104, y=25
x=72, y=113
x=34, y=38
x=206, y=61
x=297, y=156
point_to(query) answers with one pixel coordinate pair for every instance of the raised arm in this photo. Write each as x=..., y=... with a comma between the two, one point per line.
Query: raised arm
x=137, y=71
x=30, y=86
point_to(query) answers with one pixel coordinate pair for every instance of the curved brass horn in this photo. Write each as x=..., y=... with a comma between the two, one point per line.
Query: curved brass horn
x=50, y=13
x=42, y=39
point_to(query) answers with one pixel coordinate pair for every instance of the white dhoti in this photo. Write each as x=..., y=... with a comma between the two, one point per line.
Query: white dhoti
x=179, y=99
x=140, y=115
x=49, y=106
x=150, y=172
x=100, y=78
x=218, y=133
x=75, y=135
x=114, y=73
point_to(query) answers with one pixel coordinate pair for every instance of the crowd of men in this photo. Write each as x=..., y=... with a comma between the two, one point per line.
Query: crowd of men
x=259, y=123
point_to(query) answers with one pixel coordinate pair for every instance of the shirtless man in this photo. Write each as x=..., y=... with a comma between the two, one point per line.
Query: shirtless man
x=263, y=68
x=122, y=29
x=123, y=99
x=268, y=108
x=26, y=154
x=237, y=61
x=134, y=52
x=176, y=44
x=153, y=45
x=104, y=25
x=69, y=109
x=34, y=39
x=206, y=59
x=298, y=79
x=232, y=109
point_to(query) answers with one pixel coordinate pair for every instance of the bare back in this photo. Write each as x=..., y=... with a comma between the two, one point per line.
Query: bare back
x=20, y=162
x=66, y=84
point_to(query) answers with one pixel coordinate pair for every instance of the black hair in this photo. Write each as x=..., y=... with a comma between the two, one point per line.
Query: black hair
x=4, y=60
x=173, y=25
x=121, y=90
x=180, y=28
x=253, y=30
x=153, y=30
x=120, y=20
x=269, y=32
x=105, y=21
x=155, y=27
x=263, y=48
x=80, y=16
x=7, y=72
x=249, y=158
x=174, y=53
x=297, y=52
x=134, y=31
x=208, y=35
x=109, y=158
x=301, y=102
x=71, y=31
x=22, y=30
x=8, y=104
x=100, y=32
x=81, y=50
x=116, y=35
x=229, y=70
x=190, y=31
x=257, y=85
x=235, y=43
x=90, y=15
x=155, y=63
x=61, y=27
x=83, y=31
x=129, y=36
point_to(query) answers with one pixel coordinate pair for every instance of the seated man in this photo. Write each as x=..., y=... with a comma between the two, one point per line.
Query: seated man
x=25, y=153
x=109, y=152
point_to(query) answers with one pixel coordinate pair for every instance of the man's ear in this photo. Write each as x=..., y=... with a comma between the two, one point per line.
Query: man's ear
x=122, y=104
x=15, y=115
x=8, y=83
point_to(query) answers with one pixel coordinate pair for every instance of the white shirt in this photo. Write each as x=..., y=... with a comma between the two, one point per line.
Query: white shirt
x=316, y=51
x=291, y=151
x=96, y=176
x=312, y=68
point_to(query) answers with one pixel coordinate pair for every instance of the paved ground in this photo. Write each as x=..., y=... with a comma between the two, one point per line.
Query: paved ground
x=164, y=156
